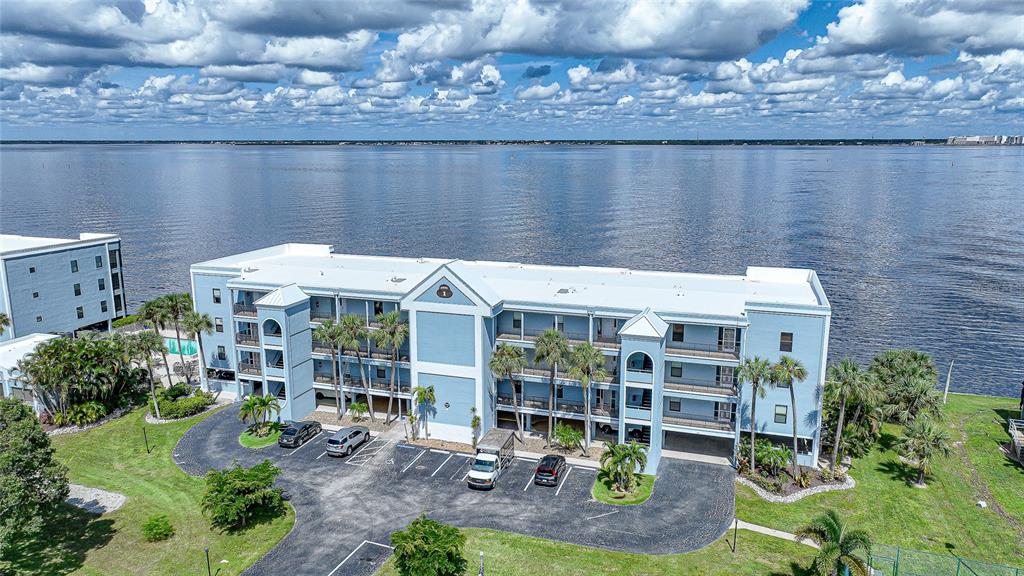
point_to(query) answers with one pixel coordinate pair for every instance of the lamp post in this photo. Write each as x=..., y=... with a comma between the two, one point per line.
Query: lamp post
x=208, y=571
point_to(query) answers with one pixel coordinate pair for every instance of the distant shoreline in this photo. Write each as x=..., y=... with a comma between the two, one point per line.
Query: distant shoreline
x=727, y=142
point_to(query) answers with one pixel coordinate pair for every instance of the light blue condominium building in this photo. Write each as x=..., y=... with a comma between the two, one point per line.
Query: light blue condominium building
x=671, y=341
x=60, y=286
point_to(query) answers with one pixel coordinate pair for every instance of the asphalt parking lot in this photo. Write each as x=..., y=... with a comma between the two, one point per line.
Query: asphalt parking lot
x=346, y=508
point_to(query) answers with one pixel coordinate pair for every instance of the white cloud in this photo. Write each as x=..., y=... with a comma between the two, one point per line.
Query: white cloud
x=538, y=91
x=314, y=78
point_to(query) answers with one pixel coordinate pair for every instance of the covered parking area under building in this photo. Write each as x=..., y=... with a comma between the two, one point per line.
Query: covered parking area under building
x=683, y=446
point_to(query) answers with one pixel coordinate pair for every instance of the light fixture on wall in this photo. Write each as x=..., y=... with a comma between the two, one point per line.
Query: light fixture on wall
x=447, y=405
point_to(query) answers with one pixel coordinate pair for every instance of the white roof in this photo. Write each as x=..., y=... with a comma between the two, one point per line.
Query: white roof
x=646, y=324
x=283, y=296
x=14, y=350
x=13, y=243
x=315, y=269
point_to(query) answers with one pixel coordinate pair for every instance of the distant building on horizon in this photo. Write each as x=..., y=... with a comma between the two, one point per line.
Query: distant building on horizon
x=985, y=141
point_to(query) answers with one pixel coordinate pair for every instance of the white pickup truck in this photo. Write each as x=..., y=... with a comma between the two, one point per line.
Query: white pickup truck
x=494, y=454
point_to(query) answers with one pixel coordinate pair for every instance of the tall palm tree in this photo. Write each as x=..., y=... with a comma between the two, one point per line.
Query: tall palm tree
x=150, y=343
x=837, y=545
x=551, y=348
x=620, y=462
x=758, y=372
x=249, y=410
x=923, y=441
x=787, y=372
x=506, y=362
x=196, y=324
x=424, y=396
x=391, y=335
x=586, y=364
x=265, y=405
x=154, y=313
x=847, y=381
x=354, y=333
x=5, y=321
x=330, y=333
x=177, y=304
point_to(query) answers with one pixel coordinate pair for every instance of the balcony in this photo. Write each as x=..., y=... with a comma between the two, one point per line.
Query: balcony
x=699, y=421
x=373, y=354
x=322, y=347
x=324, y=378
x=319, y=315
x=638, y=412
x=278, y=363
x=240, y=309
x=538, y=371
x=541, y=403
x=251, y=340
x=574, y=338
x=701, y=386
x=250, y=368
x=378, y=384
x=607, y=342
x=699, y=350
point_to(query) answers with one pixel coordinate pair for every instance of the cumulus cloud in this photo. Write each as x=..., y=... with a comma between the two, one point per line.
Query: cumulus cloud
x=538, y=91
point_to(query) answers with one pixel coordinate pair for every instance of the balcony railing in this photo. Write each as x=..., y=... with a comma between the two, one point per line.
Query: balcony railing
x=321, y=347
x=380, y=384
x=247, y=339
x=541, y=403
x=279, y=364
x=250, y=368
x=375, y=354
x=611, y=376
x=705, y=386
x=323, y=378
x=316, y=315
x=243, y=309
x=698, y=421
x=574, y=338
x=700, y=350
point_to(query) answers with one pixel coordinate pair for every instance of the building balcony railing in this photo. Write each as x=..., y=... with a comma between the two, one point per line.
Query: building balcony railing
x=322, y=347
x=541, y=403
x=574, y=338
x=250, y=368
x=704, y=386
x=324, y=378
x=247, y=339
x=379, y=384
x=240, y=309
x=698, y=421
x=699, y=350
x=319, y=315
x=375, y=354
x=539, y=371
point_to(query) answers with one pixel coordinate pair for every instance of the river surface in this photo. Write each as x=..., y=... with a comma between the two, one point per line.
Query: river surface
x=916, y=246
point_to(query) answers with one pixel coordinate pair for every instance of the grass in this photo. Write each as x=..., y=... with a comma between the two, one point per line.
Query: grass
x=508, y=554
x=252, y=441
x=941, y=518
x=602, y=490
x=113, y=457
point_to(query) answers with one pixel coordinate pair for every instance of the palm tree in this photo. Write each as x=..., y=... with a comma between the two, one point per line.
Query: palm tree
x=847, y=381
x=249, y=410
x=196, y=324
x=264, y=405
x=757, y=371
x=177, y=304
x=156, y=315
x=551, y=348
x=354, y=333
x=586, y=364
x=507, y=361
x=424, y=396
x=922, y=441
x=787, y=372
x=391, y=335
x=330, y=333
x=150, y=343
x=619, y=462
x=837, y=545
x=5, y=321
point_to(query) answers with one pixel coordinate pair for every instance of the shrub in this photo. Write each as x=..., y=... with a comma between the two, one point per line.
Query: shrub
x=771, y=458
x=183, y=407
x=176, y=391
x=803, y=479
x=157, y=528
x=827, y=475
x=237, y=495
x=429, y=548
x=773, y=485
x=568, y=437
x=358, y=410
x=84, y=413
x=127, y=320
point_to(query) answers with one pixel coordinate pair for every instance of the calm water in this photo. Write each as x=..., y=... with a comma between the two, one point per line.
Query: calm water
x=920, y=247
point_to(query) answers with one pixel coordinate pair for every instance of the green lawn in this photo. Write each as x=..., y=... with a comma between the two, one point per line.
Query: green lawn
x=507, y=554
x=941, y=518
x=250, y=441
x=602, y=491
x=113, y=457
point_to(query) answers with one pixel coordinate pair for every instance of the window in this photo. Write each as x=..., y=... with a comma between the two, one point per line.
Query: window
x=216, y=295
x=74, y=266
x=102, y=283
x=218, y=324
x=116, y=281
x=80, y=311
x=378, y=307
x=559, y=393
x=31, y=269
x=559, y=323
x=677, y=332
x=781, y=411
x=726, y=375
x=103, y=305
x=35, y=294
x=221, y=353
x=78, y=289
x=676, y=370
x=675, y=406
x=786, y=342
x=99, y=261
x=517, y=320
x=381, y=374
x=39, y=318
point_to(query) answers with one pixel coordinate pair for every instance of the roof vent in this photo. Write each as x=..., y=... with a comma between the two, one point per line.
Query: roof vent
x=397, y=280
x=420, y=260
x=250, y=269
x=566, y=290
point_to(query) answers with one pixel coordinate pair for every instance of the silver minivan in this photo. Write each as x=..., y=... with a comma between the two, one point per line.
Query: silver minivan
x=346, y=440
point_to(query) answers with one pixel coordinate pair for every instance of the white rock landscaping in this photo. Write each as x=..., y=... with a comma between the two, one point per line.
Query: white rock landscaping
x=95, y=500
x=788, y=499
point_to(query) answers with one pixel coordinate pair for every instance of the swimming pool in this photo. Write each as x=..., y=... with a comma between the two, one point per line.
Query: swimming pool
x=188, y=347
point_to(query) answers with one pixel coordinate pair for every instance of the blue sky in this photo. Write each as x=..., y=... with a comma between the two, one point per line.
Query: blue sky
x=197, y=69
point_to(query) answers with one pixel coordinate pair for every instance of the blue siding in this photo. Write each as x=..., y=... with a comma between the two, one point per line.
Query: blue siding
x=202, y=297
x=459, y=393
x=697, y=334
x=457, y=297
x=445, y=338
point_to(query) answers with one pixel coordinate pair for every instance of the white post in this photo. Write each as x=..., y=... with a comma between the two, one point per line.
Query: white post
x=949, y=375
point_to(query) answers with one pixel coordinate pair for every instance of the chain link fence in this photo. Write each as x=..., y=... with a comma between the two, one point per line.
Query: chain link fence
x=895, y=561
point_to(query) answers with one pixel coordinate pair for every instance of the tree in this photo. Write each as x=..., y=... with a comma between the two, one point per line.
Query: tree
x=391, y=335
x=922, y=441
x=429, y=548
x=837, y=545
x=552, y=349
x=154, y=313
x=846, y=380
x=474, y=424
x=787, y=372
x=424, y=396
x=354, y=333
x=237, y=495
x=567, y=436
x=758, y=372
x=32, y=483
x=586, y=364
x=150, y=343
x=258, y=409
x=196, y=324
x=177, y=305
x=250, y=410
x=331, y=334
x=506, y=362
x=619, y=463
x=5, y=321
x=908, y=379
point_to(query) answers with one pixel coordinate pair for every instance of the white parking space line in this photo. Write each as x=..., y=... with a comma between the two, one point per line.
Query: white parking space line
x=603, y=515
x=524, y=459
x=321, y=455
x=564, y=480
x=352, y=553
x=442, y=465
x=436, y=451
x=367, y=451
x=528, y=484
x=409, y=465
x=308, y=442
x=458, y=469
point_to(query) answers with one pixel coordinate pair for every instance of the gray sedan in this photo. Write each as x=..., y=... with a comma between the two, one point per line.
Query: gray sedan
x=346, y=440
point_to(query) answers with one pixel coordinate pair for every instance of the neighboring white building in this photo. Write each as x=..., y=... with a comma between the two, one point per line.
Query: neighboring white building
x=12, y=352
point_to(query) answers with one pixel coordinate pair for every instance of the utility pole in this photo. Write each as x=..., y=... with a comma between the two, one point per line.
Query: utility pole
x=949, y=376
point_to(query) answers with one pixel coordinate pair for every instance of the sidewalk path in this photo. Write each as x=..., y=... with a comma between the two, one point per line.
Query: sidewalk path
x=775, y=533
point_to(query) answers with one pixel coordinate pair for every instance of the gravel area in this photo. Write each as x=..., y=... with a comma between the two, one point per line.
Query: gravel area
x=535, y=443
x=95, y=500
x=798, y=495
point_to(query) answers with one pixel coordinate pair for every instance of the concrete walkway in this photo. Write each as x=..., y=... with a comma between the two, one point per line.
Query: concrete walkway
x=775, y=533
